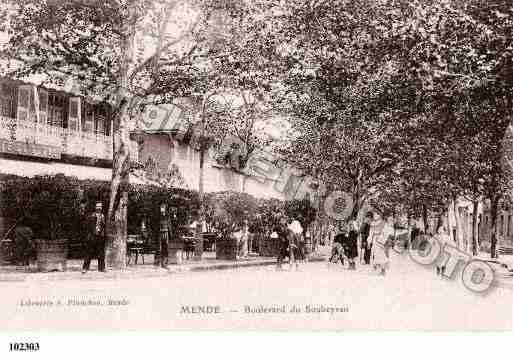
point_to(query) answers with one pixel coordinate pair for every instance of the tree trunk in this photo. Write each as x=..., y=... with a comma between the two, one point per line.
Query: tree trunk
x=494, y=205
x=117, y=216
x=115, y=246
x=440, y=219
x=425, y=218
x=356, y=206
x=475, y=234
x=320, y=233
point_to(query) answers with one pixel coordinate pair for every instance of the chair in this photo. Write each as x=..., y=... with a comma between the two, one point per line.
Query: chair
x=135, y=246
x=189, y=245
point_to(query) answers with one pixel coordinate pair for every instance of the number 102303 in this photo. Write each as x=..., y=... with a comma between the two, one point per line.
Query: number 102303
x=22, y=347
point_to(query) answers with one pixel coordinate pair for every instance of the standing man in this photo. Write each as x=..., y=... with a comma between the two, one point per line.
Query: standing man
x=164, y=236
x=176, y=254
x=95, y=243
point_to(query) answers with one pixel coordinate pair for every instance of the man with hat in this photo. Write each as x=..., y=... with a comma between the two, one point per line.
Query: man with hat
x=95, y=242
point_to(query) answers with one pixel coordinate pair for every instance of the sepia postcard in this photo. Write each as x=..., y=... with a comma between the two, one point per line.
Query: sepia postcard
x=256, y=165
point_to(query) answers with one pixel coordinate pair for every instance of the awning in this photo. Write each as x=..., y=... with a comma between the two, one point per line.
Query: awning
x=32, y=168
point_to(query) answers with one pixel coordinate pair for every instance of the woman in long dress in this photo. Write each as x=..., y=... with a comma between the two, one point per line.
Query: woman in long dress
x=381, y=232
x=444, y=239
x=296, y=231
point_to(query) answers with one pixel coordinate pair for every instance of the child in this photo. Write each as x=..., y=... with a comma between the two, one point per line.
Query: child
x=351, y=244
x=337, y=251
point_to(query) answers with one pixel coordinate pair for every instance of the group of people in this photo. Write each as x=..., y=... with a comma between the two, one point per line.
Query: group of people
x=371, y=241
x=291, y=242
x=376, y=238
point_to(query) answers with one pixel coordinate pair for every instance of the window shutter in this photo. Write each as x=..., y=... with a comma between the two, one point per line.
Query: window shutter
x=74, y=114
x=23, y=103
x=43, y=106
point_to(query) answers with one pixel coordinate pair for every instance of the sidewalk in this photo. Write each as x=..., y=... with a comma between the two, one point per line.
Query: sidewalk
x=503, y=258
x=74, y=267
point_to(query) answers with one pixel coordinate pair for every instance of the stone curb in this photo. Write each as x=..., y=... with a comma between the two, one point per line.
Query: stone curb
x=153, y=273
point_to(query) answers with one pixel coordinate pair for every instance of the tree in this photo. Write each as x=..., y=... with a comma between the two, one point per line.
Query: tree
x=231, y=209
x=239, y=128
x=473, y=67
x=443, y=53
x=267, y=217
x=48, y=204
x=348, y=102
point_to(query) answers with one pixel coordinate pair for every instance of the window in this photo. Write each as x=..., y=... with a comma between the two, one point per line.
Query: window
x=73, y=109
x=55, y=110
x=501, y=224
x=88, y=121
x=6, y=101
x=74, y=114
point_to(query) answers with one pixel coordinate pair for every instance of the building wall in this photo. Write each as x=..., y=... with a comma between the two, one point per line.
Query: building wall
x=504, y=226
x=165, y=151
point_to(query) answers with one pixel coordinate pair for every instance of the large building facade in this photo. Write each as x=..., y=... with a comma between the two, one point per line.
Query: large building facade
x=49, y=131
x=504, y=228
x=44, y=131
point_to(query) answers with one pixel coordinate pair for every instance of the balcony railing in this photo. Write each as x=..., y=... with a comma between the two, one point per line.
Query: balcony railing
x=75, y=143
